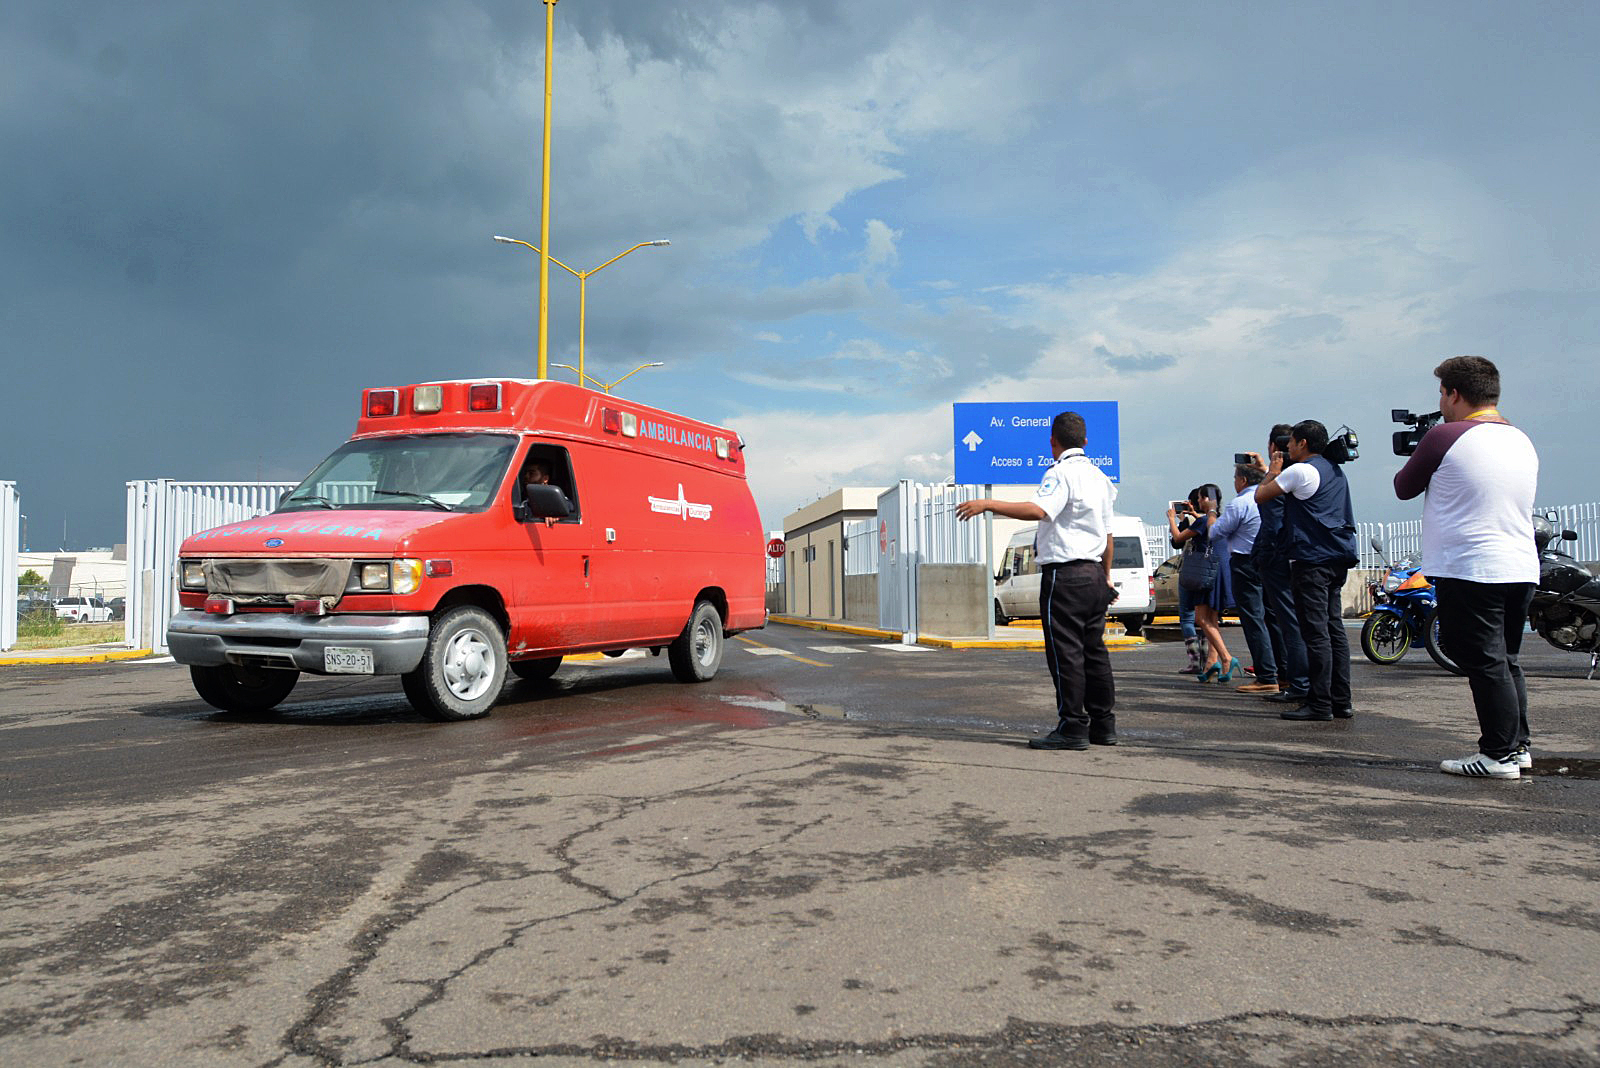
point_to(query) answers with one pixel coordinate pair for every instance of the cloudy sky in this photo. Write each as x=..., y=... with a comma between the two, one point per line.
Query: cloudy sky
x=221, y=221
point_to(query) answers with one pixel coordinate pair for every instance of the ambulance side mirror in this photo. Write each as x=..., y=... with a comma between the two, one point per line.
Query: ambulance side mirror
x=543, y=502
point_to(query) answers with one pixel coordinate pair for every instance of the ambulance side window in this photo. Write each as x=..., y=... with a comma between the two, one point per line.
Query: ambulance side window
x=559, y=464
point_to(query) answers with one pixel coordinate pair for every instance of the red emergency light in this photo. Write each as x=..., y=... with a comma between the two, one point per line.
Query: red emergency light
x=484, y=397
x=382, y=402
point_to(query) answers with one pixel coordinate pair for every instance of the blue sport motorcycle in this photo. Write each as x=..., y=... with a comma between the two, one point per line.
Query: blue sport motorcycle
x=1404, y=613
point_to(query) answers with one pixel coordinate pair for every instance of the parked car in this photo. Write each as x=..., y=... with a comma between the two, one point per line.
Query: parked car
x=27, y=605
x=1016, y=587
x=1165, y=579
x=83, y=610
x=119, y=608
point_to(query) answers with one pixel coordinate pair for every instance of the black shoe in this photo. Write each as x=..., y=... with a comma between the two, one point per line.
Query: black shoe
x=1103, y=739
x=1344, y=713
x=1302, y=715
x=1287, y=698
x=1057, y=740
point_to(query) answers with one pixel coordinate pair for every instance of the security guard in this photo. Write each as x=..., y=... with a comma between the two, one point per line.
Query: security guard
x=1073, y=546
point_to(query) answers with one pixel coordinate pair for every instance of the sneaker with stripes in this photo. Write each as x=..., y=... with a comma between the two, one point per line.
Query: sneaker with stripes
x=1524, y=757
x=1484, y=767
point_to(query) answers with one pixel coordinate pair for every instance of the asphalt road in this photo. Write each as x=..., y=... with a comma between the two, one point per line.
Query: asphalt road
x=834, y=852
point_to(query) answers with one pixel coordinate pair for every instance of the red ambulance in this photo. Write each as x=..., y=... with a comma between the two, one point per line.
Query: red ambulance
x=472, y=528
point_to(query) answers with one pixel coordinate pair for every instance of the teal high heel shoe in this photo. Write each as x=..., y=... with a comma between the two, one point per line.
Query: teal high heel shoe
x=1233, y=665
x=1209, y=673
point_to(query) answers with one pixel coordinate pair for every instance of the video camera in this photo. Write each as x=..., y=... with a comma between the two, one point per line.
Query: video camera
x=1342, y=447
x=1406, y=441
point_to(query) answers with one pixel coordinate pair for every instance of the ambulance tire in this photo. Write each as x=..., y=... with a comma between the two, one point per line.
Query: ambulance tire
x=535, y=670
x=696, y=654
x=242, y=689
x=463, y=667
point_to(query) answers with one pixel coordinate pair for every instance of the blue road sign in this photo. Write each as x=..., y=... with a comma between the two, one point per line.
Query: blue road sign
x=1009, y=443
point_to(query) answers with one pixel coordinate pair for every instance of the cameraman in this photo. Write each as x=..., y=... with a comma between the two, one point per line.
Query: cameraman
x=1480, y=474
x=1320, y=536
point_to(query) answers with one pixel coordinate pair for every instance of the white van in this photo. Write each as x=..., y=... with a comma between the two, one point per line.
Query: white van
x=1016, y=586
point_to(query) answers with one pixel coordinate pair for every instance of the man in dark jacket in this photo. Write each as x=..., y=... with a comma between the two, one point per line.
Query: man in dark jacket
x=1320, y=541
x=1272, y=564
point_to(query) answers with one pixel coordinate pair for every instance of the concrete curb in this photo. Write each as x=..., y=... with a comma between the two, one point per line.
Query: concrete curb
x=47, y=656
x=934, y=641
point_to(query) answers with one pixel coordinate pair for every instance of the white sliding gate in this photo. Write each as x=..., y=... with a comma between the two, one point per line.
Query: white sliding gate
x=161, y=513
x=10, y=545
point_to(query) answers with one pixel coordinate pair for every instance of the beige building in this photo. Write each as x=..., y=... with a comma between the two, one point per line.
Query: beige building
x=813, y=564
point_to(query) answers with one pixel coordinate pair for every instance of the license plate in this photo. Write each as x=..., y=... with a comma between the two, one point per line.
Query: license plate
x=340, y=660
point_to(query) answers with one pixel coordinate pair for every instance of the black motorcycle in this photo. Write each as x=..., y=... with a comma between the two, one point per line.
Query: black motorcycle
x=1566, y=607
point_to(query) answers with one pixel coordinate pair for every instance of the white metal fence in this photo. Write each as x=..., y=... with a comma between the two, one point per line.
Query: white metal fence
x=1583, y=520
x=161, y=513
x=917, y=524
x=10, y=545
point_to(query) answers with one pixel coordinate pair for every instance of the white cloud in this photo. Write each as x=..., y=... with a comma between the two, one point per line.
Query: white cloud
x=880, y=248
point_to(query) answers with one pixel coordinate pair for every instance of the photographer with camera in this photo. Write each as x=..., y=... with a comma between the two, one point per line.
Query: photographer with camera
x=1277, y=586
x=1204, y=580
x=1320, y=541
x=1180, y=514
x=1480, y=474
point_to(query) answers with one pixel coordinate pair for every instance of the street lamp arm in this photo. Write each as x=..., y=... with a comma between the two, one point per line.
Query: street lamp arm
x=624, y=252
x=524, y=244
x=633, y=372
x=580, y=374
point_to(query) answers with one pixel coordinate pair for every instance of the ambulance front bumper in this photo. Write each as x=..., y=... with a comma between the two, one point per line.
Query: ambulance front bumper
x=396, y=642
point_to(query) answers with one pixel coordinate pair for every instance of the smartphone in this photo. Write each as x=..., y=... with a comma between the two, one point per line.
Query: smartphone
x=1179, y=506
x=1243, y=458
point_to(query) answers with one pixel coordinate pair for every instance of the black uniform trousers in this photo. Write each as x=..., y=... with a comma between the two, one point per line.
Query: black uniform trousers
x=1073, y=598
x=1480, y=627
x=1319, y=600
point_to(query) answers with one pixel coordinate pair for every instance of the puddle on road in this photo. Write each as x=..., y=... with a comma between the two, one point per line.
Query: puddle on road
x=1557, y=768
x=809, y=710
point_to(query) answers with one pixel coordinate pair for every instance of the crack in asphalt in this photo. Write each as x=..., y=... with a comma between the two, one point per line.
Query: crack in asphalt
x=1031, y=1042
x=332, y=993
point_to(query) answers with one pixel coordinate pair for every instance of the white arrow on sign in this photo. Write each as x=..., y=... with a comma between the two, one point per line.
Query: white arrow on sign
x=972, y=441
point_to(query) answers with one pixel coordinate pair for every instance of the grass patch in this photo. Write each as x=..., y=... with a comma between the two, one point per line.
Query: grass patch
x=41, y=631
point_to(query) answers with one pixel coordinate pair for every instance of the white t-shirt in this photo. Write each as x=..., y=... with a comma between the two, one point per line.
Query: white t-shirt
x=1076, y=497
x=1300, y=481
x=1477, y=523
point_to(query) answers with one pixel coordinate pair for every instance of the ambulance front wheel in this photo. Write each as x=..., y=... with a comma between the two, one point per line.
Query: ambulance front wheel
x=696, y=654
x=233, y=688
x=463, y=667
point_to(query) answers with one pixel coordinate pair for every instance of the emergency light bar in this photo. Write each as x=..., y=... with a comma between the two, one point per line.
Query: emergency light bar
x=615, y=422
x=382, y=402
x=427, y=399
x=484, y=397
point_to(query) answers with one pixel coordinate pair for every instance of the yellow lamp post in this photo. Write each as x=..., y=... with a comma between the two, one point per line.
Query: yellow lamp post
x=603, y=387
x=583, y=287
x=544, y=191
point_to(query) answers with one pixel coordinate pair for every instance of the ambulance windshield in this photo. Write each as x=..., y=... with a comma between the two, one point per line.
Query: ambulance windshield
x=409, y=472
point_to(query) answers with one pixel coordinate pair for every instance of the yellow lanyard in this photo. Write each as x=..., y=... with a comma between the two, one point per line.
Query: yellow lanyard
x=1490, y=411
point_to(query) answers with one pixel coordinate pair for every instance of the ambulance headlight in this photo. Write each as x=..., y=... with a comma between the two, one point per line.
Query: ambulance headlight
x=192, y=574
x=407, y=576
x=393, y=576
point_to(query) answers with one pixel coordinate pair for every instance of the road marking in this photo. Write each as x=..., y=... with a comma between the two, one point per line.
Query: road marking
x=837, y=649
x=901, y=647
x=767, y=650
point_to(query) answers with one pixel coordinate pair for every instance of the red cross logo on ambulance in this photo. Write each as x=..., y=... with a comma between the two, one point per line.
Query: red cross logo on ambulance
x=681, y=507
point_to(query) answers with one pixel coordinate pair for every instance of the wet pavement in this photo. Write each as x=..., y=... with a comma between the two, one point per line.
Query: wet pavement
x=837, y=851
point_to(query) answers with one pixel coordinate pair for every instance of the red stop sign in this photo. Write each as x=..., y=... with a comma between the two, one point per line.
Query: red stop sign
x=775, y=548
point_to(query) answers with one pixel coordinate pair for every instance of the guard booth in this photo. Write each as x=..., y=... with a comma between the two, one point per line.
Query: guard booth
x=815, y=542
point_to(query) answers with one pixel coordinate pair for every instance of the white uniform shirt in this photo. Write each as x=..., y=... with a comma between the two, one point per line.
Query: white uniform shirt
x=1076, y=497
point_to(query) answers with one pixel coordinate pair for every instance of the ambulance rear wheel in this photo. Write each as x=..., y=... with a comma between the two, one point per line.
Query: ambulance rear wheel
x=535, y=670
x=463, y=668
x=697, y=653
x=233, y=688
